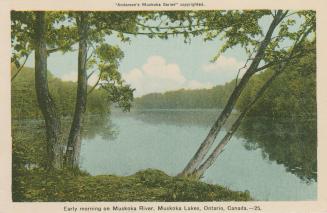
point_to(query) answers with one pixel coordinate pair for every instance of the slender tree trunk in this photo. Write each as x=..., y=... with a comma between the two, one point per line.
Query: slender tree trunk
x=74, y=140
x=209, y=140
x=45, y=102
x=198, y=173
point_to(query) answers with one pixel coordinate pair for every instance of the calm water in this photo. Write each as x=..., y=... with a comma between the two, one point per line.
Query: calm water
x=167, y=139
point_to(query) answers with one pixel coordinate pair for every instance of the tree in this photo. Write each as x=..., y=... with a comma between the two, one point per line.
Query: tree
x=234, y=27
x=35, y=31
x=72, y=155
x=57, y=35
x=45, y=100
x=270, y=52
x=283, y=121
x=92, y=29
x=219, y=148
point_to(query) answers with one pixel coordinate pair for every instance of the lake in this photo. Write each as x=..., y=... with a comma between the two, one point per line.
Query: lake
x=166, y=139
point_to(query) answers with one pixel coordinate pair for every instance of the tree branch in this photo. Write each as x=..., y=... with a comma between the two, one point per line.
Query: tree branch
x=91, y=73
x=49, y=51
x=245, y=65
x=296, y=45
x=88, y=58
x=165, y=28
x=205, y=146
x=273, y=63
x=20, y=68
x=94, y=86
x=219, y=148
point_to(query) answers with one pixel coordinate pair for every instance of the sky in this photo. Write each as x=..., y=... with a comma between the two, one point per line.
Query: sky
x=156, y=65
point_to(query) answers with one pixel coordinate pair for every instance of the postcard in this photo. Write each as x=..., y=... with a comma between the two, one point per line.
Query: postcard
x=163, y=106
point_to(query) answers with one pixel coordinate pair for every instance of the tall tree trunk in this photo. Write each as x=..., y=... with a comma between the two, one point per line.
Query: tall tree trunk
x=209, y=140
x=198, y=173
x=74, y=139
x=45, y=102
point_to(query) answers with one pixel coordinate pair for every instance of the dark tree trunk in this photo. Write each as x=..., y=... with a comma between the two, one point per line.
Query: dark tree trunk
x=209, y=140
x=198, y=173
x=45, y=102
x=74, y=139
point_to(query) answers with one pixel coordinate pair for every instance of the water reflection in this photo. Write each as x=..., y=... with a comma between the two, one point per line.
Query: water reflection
x=183, y=117
x=99, y=125
x=292, y=143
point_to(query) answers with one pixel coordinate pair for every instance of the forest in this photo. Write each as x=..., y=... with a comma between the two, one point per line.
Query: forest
x=51, y=118
x=187, y=99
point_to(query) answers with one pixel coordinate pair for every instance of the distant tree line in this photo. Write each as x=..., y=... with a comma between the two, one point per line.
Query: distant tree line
x=293, y=95
x=279, y=117
x=215, y=97
x=24, y=103
x=46, y=32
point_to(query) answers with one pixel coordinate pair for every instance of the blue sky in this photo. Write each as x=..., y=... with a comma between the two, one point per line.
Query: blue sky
x=156, y=65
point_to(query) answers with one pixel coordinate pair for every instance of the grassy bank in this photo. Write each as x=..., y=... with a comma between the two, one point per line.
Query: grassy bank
x=147, y=185
x=36, y=184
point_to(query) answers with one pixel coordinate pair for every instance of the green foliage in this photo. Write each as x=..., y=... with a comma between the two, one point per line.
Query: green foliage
x=24, y=103
x=62, y=34
x=283, y=122
x=29, y=147
x=233, y=27
x=147, y=185
x=106, y=59
x=21, y=34
x=292, y=95
x=241, y=28
x=59, y=35
x=32, y=183
x=187, y=99
x=29, y=150
x=290, y=143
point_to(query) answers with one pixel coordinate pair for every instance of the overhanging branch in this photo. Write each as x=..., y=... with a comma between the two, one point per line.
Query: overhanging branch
x=20, y=68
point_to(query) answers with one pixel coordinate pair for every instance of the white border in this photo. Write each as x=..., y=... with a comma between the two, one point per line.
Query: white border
x=7, y=206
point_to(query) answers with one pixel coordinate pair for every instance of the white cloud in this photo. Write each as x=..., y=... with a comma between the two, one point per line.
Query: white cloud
x=156, y=67
x=156, y=75
x=222, y=65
